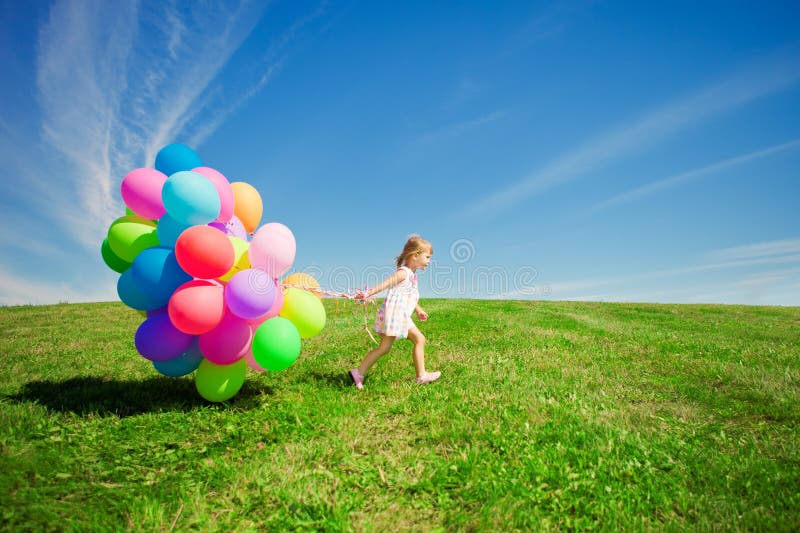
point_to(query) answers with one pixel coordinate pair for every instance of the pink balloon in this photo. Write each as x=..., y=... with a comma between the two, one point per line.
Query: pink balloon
x=223, y=187
x=141, y=192
x=251, y=361
x=273, y=249
x=228, y=342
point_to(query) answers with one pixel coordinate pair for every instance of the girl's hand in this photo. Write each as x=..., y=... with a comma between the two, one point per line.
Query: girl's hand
x=361, y=297
x=422, y=315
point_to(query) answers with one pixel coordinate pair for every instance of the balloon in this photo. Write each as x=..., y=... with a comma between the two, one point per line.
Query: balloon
x=184, y=364
x=250, y=293
x=132, y=296
x=305, y=282
x=228, y=342
x=276, y=344
x=305, y=311
x=224, y=191
x=273, y=311
x=204, y=252
x=241, y=260
x=157, y=273
x=251, y=362
x=129, y=235
x=158, y=340
x=176, y=157
x=235, y=228
x=112, y=260
x=247, y=204
x=217, y=383
x=197, y=306
x=273, y=249
x=169, y=230
x=190, y=198
x=141, y=192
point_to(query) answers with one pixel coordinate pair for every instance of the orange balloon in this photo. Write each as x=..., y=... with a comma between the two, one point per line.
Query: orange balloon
x=300, y=280
x=247, y=205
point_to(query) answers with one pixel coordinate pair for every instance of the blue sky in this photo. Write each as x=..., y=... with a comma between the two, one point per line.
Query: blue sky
x=606, y=151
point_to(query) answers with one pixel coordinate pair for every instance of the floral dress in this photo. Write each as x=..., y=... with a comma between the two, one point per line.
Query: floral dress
x=394, y=316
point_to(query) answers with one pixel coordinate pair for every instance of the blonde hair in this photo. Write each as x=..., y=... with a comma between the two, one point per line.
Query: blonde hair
x=414, y=245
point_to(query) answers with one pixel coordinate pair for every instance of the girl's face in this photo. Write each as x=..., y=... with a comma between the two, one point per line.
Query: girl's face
x=420, y=261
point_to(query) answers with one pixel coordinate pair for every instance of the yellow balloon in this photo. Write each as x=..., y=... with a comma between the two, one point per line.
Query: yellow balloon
x=305, y=311
x=303, y=281
x=241, y=260
x=247, y=205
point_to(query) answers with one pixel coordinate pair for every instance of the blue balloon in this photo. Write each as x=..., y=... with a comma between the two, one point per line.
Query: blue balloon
x=190, y=198
x=157, y=273
x=132, y=296
x=176, y=157
x=184, y=364
x=169, y=229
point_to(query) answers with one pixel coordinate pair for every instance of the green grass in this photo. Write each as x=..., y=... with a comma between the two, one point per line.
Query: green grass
x=549, y=416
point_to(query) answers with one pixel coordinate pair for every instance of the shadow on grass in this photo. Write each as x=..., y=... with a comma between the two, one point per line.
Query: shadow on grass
x=338, y=380
x=114, y=397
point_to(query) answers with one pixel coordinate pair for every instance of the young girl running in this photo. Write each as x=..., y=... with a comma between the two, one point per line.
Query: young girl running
x=394, y=316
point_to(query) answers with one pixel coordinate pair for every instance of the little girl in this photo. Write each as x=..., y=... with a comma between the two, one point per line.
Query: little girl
x=394, y=316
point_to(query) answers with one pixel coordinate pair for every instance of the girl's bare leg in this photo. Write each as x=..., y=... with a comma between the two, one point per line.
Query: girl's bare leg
x=418, y=353
x=376, y=353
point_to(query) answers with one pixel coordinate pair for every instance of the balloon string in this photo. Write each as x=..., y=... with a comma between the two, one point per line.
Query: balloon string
x=358, y=297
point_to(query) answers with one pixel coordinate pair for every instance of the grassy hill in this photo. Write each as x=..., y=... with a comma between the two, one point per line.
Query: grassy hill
x=549, y=415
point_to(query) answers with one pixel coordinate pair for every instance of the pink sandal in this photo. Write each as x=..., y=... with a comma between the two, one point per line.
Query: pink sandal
x=358, y=379
x=429, y=377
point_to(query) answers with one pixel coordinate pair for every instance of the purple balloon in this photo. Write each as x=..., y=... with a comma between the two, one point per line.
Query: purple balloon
x=158, y=340
x=250, y=293
x=235, y=228
x=220, y=226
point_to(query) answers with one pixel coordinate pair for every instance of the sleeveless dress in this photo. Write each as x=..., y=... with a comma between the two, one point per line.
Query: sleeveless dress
x=394, y=316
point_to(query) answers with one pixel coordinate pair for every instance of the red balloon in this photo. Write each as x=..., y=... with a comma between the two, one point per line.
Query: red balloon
x=197, y=307
x=204, y=252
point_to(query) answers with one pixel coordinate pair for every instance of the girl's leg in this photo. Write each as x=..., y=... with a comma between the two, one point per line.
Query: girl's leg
x=418, y=352
x=376, y=353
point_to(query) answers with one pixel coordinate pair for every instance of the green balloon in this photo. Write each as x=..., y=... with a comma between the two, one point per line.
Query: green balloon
x=112, y=260
x=276, y=344
x=131, y=234
x=217, y=383
x=305, y=311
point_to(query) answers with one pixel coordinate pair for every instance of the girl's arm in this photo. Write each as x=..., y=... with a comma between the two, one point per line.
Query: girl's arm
x=423, y=316
x=388, y=283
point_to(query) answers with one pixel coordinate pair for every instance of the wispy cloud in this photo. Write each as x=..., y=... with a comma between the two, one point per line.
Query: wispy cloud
x=683, y=177
x=117, y=81
x=748, y=84
x=16, y=289
x=455, y=129
x=756, y=250
x=547, y=22
x=761, y=257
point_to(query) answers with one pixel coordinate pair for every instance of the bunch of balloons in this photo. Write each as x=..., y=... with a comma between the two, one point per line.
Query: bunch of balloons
x=191, y=258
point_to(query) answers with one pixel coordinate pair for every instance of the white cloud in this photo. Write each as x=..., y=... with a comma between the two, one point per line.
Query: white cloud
x=22, y=290
x=617, y=288
x=745, y=86
x=116, y=81
x=683, y=177
x=457, y=128
x=756, y=250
